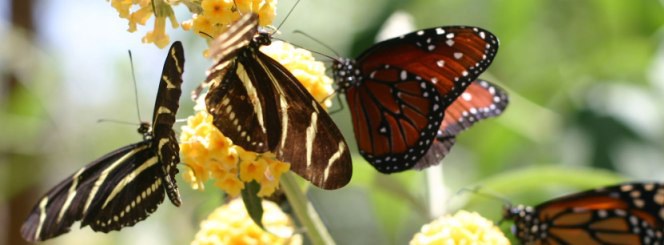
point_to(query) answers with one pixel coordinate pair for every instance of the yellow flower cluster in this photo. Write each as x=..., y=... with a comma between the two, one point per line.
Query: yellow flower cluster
x=462, y=228
x=209, y=154
x=140, y=16
x=210, y=17
x=230, y=224
x=216, y=15
x=302, y=64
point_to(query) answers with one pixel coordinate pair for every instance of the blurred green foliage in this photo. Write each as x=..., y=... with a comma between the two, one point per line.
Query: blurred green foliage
x=583, y=79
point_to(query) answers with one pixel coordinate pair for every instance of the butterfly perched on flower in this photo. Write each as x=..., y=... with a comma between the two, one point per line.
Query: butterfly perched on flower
x=262, y=107
x=126, y=185
x=398, y=91
x=629, y=213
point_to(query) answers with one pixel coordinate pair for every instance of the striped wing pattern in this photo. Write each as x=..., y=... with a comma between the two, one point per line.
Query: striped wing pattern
x=262, y=107
x=124, y=186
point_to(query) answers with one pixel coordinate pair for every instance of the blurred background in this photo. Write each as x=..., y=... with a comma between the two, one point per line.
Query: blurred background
x=585, y=79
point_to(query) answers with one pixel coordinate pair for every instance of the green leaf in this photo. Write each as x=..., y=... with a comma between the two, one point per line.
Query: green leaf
x=253, y=203
x=536, y=184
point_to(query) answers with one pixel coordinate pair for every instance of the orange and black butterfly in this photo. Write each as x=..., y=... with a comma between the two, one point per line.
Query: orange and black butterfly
x=630, y=213
x=398, y=91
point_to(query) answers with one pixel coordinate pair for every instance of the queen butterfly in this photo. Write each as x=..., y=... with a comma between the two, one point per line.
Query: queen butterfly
x=261, y=106
x=398, y=90
x=629, y=213
x=126, y=185
x=479, y=101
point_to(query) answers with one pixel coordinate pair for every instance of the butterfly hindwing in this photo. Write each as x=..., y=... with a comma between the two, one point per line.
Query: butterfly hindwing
x=480, y=100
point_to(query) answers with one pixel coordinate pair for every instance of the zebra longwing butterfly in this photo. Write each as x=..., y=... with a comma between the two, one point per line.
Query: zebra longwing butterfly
x=262, y=107
x=124, y=186
x=629, y=213
x=398, y=90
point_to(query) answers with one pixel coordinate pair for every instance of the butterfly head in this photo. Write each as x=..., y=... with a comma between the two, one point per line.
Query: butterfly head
x=346, y=73
x=262, y=39
x=525, y=220
x=144, y=129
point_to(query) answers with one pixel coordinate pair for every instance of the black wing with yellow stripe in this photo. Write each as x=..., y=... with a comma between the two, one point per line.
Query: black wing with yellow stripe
x=262, y=107
x=124, y=186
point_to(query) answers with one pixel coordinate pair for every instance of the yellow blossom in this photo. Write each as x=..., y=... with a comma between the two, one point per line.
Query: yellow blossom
x=302, y=64
x=144, y=10
x=217, y=15
x=158, y=36
x=209, y=154
x=230, y=224
x=462, y=228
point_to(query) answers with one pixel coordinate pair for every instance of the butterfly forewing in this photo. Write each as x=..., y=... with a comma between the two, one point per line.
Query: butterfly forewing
x=165, y=110
x=310, y=140
x=262, y=107
x=449, y=57
x=391, y=118
x=244, y=106
x=124, y=186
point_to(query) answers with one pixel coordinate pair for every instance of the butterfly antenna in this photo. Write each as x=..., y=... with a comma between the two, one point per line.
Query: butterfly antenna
x=133, y=76
x=103, y=120
x=313, y=51
x=338, y=99
x=319, y=42
x=489, y=195
x=287, y=15
x=206, y=34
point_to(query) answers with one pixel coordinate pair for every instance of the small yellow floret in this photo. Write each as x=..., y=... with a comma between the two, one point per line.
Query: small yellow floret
x=462, y=228
x=217, y=15
x=230, y=224
x=209, y=154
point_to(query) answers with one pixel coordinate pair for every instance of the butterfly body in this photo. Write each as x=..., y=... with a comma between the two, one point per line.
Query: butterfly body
x=398, y=90
x=631, y=213
x=262, y=107
x=126, y=185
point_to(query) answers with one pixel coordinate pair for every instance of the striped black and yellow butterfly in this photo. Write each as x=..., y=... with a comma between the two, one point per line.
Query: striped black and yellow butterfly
x=124, y=186
x=629, y=213
x=262, y=107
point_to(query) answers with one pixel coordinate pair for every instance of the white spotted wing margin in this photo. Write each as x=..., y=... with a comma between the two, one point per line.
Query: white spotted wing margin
x=124, y=186
x=481, y=100
x=262, y=107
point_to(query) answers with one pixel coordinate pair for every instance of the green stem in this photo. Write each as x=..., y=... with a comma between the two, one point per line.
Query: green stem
x=306, y=214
